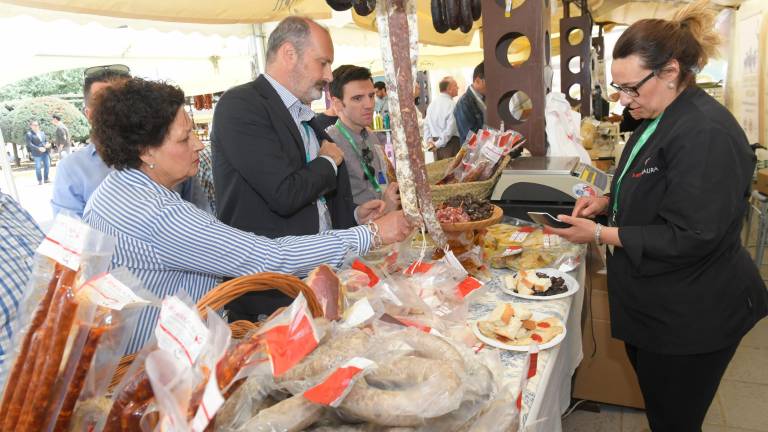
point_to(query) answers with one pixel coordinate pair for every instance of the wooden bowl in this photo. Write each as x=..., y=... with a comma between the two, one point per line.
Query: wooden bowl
x=495, y=218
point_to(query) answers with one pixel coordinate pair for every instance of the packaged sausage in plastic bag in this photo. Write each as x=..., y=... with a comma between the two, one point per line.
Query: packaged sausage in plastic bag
x=71, y=253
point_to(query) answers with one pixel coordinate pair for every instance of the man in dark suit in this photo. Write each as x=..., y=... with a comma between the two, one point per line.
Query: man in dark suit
x=276, y=173
x=39, y=148
x=470, y=108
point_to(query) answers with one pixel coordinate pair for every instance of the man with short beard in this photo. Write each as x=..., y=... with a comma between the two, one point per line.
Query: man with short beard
x=276, y=172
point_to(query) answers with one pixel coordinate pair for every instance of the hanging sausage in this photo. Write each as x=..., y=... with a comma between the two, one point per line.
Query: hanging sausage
x=339, y=5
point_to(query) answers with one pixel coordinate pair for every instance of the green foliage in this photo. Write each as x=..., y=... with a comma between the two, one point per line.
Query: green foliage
x=62, y=82
x=16, y=123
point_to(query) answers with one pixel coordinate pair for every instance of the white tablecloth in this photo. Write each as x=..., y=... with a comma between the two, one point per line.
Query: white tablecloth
x=548, y=393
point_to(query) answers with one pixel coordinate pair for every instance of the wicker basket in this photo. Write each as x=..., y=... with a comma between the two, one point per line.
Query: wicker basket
x=225, y=292
x=495, y=218
x=478, y=189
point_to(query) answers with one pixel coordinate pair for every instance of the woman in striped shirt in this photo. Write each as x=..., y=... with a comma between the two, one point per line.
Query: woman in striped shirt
x=145, y=134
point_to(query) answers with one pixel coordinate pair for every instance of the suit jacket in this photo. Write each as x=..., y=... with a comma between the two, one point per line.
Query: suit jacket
x=469, y=115
x=33, y=142
x=263, y=183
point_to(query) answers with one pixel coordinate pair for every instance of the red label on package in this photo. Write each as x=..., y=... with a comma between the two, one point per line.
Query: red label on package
x=287, y=344
x=359, y=266
x=468, y=285
x=335, y=388
x=418, y=267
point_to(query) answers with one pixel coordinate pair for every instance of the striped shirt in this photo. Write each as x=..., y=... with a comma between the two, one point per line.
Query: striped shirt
x=171, y=245
x=19, y=237
x=301, y=115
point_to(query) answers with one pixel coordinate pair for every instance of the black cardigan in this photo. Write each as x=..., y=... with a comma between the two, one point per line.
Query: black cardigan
x=682, y=283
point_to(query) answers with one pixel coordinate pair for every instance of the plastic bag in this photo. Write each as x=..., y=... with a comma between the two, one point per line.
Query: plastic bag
x=46, y=329
x=481, y=155
x=527, y=247
x=98, y=345
x=563, y=126
x=326, y=286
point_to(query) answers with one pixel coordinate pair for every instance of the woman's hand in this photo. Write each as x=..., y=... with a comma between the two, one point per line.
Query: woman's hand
x=589, y=207
x=370, y=210
x=393, y=227
x=581, y=231
x=392, y=197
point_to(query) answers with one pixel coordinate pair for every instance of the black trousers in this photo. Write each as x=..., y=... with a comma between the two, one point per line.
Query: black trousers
x=678, y=389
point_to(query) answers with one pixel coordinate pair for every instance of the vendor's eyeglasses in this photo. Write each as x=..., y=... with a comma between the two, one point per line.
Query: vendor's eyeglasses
x=633, y=90
x=115, y=69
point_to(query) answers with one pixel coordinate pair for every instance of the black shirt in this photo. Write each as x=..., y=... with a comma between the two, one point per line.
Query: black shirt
x=682, y=283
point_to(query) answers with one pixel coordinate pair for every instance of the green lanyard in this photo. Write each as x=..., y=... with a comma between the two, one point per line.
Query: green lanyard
x=635, y=150
x=368, y=173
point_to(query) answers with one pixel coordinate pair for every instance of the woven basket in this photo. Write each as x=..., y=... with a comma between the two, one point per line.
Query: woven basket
x=478, y=189
x=495, y=218
x=225, y=292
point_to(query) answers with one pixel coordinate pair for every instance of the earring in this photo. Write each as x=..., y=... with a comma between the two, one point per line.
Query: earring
x=670, y=85
x=151, y=166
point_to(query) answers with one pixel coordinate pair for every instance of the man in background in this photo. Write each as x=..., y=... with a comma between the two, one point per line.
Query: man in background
x=82, y=172
x=63, y=141
x=439, y=124
x=353, y=96
x=470, y=109
x=382, y=100
x=40, y=150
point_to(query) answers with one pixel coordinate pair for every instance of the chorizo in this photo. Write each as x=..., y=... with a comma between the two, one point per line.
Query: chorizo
x=78, y=378
x=20, y=391
x=66, y=310
x=137, y=391
x=24, y=353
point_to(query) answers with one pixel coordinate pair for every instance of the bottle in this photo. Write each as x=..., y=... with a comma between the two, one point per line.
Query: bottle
x=386, y=119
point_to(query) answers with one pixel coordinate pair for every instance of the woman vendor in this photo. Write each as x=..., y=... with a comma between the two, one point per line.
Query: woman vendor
x=682, y=289
x=145, y=134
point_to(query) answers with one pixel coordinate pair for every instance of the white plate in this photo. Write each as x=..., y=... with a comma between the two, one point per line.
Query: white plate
x=522, y=348
x=570, y=283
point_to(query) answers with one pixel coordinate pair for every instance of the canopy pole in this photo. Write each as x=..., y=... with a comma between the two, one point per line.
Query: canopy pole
x=7, y=172
x=258, y=50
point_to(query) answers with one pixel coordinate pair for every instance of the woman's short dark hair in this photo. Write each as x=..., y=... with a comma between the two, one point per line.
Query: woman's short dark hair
x=132, y=116
x=690, y=38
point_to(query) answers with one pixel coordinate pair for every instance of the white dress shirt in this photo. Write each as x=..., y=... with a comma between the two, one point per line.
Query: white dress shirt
x=440, y=124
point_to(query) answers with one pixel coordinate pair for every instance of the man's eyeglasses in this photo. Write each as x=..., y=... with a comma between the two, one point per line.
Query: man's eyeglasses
x=115, y=69
x=633, y=90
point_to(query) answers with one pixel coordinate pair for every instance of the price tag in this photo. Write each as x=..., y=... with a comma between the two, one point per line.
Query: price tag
x=106, y=291
x=65, y=241
x=492, y=153
x=212, y=401
x=552, y=240
x=180, y=331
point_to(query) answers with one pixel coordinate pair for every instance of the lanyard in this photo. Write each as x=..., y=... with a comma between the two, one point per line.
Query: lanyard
x=635, y=150
x=366, y=170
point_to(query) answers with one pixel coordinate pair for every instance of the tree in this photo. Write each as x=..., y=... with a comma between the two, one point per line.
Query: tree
x=62, y=82
x=16, y=123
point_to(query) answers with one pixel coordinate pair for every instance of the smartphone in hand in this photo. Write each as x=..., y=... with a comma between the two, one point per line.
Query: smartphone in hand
x=548, y=220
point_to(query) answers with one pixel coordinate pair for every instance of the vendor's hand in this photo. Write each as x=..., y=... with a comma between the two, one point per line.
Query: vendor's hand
x=392, y=197
x=431, y=145
x=589, y=207
x=330, y=149
x=370, y=210
x=581, y=231
x=393, y=227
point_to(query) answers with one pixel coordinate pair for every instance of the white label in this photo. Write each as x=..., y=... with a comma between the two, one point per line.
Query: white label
x=359, y=313
x=552, y=240
x=519, y=237
x=180, y=331
x=492, y=153
x=65, y=241
x=108, y=292
x=452, y=261
x=212, y=401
